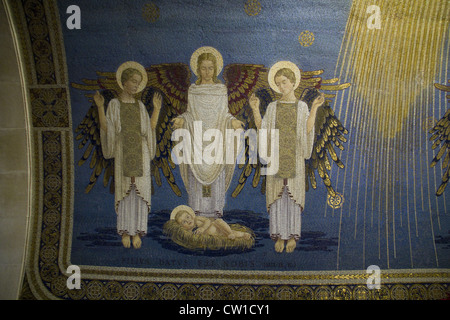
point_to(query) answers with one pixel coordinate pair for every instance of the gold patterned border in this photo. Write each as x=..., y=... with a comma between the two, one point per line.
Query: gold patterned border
x=38, y=34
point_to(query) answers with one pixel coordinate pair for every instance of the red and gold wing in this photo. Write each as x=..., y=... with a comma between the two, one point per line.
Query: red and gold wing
x=173, y=80
x=242, y=80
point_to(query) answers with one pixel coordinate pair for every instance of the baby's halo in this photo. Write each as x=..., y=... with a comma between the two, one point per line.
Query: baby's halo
x=175, y=211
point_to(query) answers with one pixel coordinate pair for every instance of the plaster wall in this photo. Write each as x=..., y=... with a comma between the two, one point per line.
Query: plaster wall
x=14, y=166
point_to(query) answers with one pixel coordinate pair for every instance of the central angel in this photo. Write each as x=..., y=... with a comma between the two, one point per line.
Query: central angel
x=207, y=183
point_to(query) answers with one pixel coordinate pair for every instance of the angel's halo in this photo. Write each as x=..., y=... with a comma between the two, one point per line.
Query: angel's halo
x=132, y=65
x=281, y=65
x=199, y=51
x=188, y=209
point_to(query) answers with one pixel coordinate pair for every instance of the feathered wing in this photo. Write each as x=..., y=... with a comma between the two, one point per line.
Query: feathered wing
x=242, y=80
x=441, y=137
x=89, y=130
x=329, y=131
x=172, y=81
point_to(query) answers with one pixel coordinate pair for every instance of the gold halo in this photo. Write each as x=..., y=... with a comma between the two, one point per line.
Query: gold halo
x=280, y=65
x=134, y=65
x=199, y=51
x=188, y=209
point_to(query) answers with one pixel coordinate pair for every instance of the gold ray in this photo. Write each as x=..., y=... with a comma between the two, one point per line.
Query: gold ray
x=395, y=13
x=392, y=71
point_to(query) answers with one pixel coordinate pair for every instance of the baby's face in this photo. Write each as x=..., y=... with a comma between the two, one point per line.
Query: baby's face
x=186, y=221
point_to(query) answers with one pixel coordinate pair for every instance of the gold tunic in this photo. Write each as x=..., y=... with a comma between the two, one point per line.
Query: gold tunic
x=302, y=143
x=286, y=123
x=131, y=139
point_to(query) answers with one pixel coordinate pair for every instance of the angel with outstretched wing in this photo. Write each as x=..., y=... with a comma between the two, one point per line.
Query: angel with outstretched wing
x=307, y=133
x=127, y=135
x=171, y=82
x=285, y=190
x=245, y=80
x=128, y=167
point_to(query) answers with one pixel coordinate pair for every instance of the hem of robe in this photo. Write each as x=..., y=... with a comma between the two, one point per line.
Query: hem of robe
x=276, y=236
x=128, y=193
x=185, y=168
x=215, y=214
x=138, y=232
x=141, y=233
x=279, y=197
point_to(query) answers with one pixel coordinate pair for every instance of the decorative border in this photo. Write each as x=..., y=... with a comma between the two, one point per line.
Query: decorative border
x=39, y=37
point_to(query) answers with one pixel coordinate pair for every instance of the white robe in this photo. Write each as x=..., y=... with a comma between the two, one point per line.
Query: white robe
x=132, y=202
x=208, y=104
x=285, y=203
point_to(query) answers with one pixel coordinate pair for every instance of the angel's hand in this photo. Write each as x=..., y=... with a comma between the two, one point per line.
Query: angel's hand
x=99, y=99
x=157, y=101
x=254, y=102
x=319, y=100
x=177, y=123
x=237, y=124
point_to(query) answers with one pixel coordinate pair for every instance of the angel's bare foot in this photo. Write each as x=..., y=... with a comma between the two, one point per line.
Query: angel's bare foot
x=232, y=236
x=279, y=245
x=290, y=246
x=126, y=240
x=137, y=242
